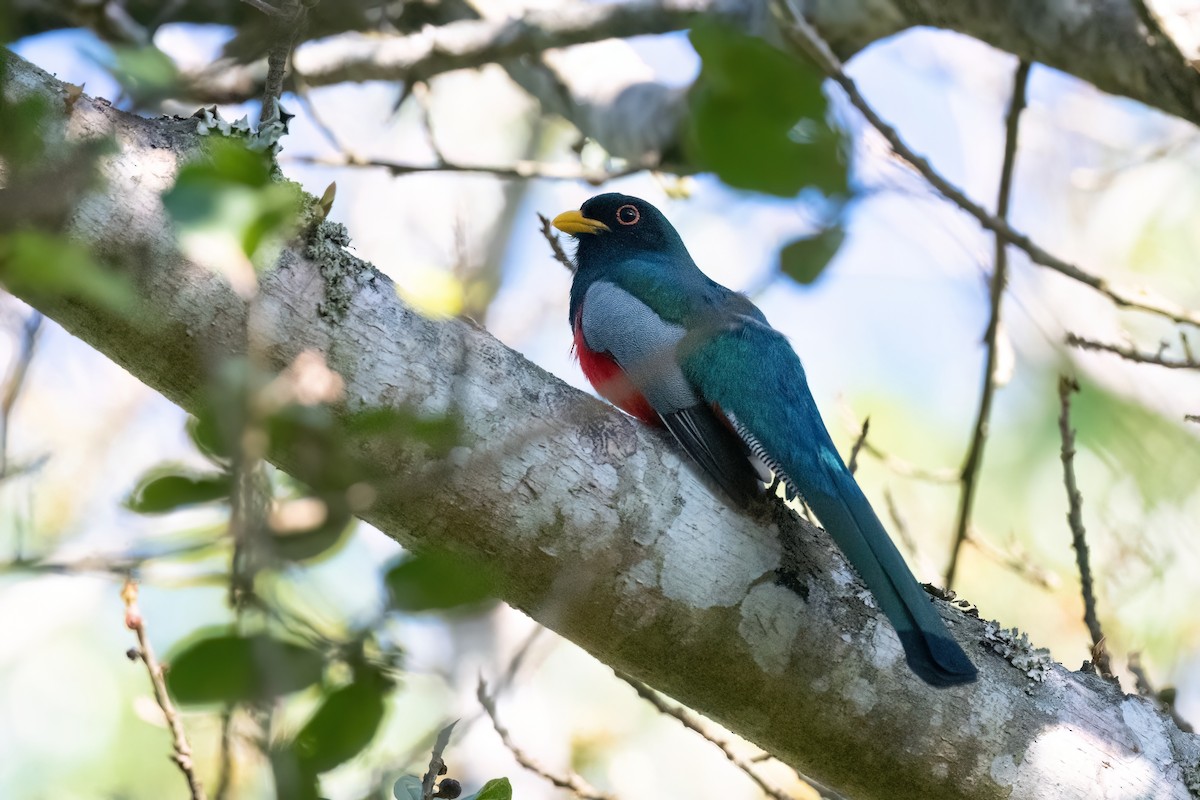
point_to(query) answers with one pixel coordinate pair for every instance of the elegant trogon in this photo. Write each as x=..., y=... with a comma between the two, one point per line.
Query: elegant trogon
x=671, y=347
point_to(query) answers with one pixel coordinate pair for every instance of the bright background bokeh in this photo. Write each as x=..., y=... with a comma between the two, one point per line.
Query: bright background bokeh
x=892, y=330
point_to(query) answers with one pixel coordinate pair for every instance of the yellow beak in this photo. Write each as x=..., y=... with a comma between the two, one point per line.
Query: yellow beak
x=574, y=222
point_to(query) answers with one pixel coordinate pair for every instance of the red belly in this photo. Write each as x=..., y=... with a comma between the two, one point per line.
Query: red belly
x=611, y=381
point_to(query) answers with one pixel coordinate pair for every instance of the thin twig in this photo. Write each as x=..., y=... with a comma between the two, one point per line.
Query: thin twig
x=804, y=36
x=898, y=465
x=969, y=478
x=303, y=94
x=437, y=766
x=16, y=381
x=518, y=170
x=183, y=751
x=1191, y=417
x=560, y=255
x=1067, y=386
x=692, y=723
x=285, y=27
x=225, y=773
x=898, y=523
x=264, y=7
x=1164, y=699
x=571, y=781
x=1018, y=561
x=1132, y=354
x=852, y=463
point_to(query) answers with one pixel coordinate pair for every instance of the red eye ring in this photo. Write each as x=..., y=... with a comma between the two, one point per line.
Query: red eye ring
x=626, y=219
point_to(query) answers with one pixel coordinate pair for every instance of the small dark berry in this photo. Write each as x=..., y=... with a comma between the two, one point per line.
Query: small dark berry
x=448, y=789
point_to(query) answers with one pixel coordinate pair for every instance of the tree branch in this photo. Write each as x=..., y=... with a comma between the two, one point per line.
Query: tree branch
x=595, y=526
x=969, y=476
x=805, y=37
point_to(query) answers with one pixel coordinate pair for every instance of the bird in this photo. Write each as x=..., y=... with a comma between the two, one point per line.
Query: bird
x=668, y=345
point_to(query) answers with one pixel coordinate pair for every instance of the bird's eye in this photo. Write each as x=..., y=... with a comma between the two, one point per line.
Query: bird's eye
x=628, y=214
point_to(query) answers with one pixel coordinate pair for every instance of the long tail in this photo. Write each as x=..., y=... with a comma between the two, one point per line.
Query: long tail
x=852, y=523
x=763, y=386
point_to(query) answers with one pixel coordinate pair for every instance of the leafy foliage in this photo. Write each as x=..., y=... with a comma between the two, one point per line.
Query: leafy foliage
x=803, y=260
x=231, y=195
x=344, y=723
x=228, y=668
x=758, y=116
x=168, y=490
x=146, y=74
x=40, y=265
x=495, y=789
x=438, y=581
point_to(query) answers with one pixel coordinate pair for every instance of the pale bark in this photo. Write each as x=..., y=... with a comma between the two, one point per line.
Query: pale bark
x=599, y=531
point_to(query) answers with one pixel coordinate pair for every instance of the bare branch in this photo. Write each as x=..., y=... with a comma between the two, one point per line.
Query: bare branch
x=852, y=462
x=264, y=7
x=16, y=381
x=693, y=723
x=183, y=751
x=1066, y=387
x=805, y=37
x=458, y=45
x=518, y=170
x=571, y=781
x=286, y=23
x=1165, y=699
x=437, y=766
x=1133, y=354
x=560, y=255
x=970, y=470
x=1020, y=562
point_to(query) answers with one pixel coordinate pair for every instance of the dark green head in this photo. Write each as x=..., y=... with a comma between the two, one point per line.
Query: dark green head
x=614, y=228
x=626, y=241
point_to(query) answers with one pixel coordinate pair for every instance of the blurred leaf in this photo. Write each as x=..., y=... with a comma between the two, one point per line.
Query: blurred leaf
x=161, y=491
x=147, y=74
x=344, y=723
x=205, y=434
x=231, y=193
x=803, y=260
x=21, y=141
x=1158, y=453
x=495, y=789
x=34, y=264
x=439, y=433
x=321, y=540
x=407, y=787
x=235, y=669
x=433, y=581
x=758, y=116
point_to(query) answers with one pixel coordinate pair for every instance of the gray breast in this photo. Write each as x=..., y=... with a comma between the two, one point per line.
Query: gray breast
x=617, y=323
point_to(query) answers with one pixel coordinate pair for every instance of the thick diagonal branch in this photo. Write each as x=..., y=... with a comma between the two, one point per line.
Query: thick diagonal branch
x=596, y=528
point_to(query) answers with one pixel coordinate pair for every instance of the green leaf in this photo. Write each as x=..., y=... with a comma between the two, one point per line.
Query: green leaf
x=407, y=787
x=803, y=260
x=162, y=491
x=1158, y=453
x=147, y=74
x=495, y=789
x=398, y=424
x=433, y=581
x=227, y=668
x=758, y=116
x=21, y=142
x=34, y=264
x=231, y=194
x=343, y=724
